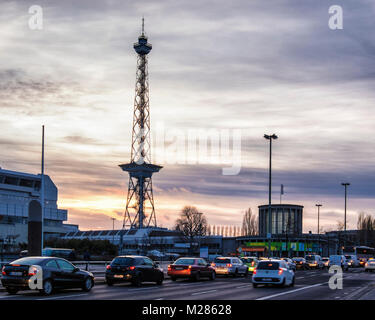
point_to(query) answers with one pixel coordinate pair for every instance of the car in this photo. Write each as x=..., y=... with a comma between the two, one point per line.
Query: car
x=370, y=265
x=353, y=261
x=338, y=260
x=300, y=263
x=290, y=263
x=362, y=262
x=57, y=273
x=251, y=263
x=273, y=272
x=133, y=269
x=326, y=262
x=191, y=268
x=230, y=266
x=314, y=261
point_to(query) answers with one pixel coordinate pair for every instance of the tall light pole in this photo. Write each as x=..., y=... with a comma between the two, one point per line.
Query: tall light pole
x=318, y=205
x=270, y=138
x=42, y=189
x=113, y=229
x=345, y=184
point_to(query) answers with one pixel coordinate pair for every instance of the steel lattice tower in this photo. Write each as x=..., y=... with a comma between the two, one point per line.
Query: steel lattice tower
x=140, y=210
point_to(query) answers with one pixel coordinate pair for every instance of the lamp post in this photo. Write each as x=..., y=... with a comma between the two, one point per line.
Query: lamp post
x=113, y=229
x=318, y=205
x=270, y=138
x=345, y=184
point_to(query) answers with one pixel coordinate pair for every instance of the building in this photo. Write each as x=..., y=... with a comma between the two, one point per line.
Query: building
x=17, y=189
x=142, y=241
x=285, y=219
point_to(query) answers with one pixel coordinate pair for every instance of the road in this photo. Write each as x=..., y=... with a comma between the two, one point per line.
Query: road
x=310, y=285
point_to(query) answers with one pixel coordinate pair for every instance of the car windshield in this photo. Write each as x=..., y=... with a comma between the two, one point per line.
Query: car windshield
x=185, y=261
x=222, y=260
x=297, y=259
x=309, y=258
x=268, y=265
x=123, y=261
x=28, y=261
x=247, y=260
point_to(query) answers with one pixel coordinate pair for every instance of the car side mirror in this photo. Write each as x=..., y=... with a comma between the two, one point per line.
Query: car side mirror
x=208, y=265
x=156, y=265
x=76, y=269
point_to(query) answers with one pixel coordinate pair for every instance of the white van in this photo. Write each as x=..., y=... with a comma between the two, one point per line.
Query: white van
x=338, y=260
x=314, y=261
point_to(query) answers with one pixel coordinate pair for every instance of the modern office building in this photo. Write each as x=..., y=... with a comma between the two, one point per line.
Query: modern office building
x=17, y=189
x=285, y=219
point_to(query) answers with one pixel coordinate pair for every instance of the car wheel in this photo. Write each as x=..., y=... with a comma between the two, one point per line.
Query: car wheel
x=255, y=285
x=87, y=284
x=197, y=276
x=292, y=283
x=137, y=281
x=11, y=290
x=47, y=288
x=173, y=278
x=235, y=274
x=109, y=283
x=282, y=284
x=213, y=275
x=160, y=281
x=246, y=273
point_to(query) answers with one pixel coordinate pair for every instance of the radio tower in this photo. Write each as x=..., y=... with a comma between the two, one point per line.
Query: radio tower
x=140, y=210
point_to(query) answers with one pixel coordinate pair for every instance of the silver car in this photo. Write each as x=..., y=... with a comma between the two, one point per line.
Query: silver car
x=230, y=266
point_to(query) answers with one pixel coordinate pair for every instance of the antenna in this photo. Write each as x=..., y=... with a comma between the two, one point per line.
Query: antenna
x=143, y=25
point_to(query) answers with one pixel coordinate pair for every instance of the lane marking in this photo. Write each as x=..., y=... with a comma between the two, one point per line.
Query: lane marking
x=245, y=286
x=202, y=292
x=62, y=297
x=291, y=291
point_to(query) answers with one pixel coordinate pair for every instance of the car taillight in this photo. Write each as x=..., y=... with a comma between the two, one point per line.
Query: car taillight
x=3, y=271
x=229, y=265
x=281, y=271
x=33, y=271
x=255, y=271
x=252, y=264
x=213, y=264
x=189, y=267
x=131, y=268
x=108, y=267
x=169, y=267
x=366, y=265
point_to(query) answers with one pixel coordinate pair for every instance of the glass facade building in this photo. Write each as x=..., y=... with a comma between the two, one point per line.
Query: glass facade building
x=285, y=219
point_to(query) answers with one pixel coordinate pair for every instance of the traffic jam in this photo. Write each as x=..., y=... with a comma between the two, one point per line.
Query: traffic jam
x=48, y=274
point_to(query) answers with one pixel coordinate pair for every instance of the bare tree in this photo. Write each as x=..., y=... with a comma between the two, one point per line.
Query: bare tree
x=366, y=229
x=192, y=224
x=340, y=225
x=249, y=224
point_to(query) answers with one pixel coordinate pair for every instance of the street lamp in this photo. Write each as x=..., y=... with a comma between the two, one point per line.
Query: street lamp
x=270, y=138
x=318, y=205
x=345, y=184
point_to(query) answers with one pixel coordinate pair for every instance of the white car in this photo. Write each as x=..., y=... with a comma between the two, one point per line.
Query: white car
x=339, y=260
x=230, y=266
x=370, y=265
x=353, y=261
x=314, y=261
x=274, y=272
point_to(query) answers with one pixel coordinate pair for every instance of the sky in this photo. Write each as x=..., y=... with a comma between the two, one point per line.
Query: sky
x=244, y=67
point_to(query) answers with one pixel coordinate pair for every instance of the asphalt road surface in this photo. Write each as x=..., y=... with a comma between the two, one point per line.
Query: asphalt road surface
x=310, y=285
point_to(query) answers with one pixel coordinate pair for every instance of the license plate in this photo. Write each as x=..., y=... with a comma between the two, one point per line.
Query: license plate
x=16, y=273
x=267, y=279
x=179, y=268
x=119, y=276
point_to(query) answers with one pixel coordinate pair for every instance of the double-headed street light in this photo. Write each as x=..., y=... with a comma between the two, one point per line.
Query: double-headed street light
x=270, y=138
x=318, y=205
x=345, y=184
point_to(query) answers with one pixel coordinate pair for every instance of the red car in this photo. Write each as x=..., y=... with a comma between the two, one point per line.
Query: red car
x=191, y=268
